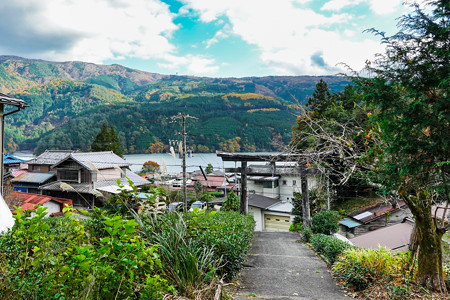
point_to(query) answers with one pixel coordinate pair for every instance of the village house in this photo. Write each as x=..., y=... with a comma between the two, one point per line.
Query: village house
x=213, y=182
x=374, y=217
x=269, y=214
x=87, y=177
x=277, y=181
x=28, y=201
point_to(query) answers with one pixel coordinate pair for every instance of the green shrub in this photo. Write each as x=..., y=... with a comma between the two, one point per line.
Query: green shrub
x=360, y=267
x=306, y=234
x=232, y=203
x=329, y=246
x=230, y=234
x=296, y=227
x=63, y=258
x=325, y=222
x=188, y=265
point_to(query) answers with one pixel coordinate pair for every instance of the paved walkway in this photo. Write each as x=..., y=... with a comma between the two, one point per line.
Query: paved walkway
x=279, y=267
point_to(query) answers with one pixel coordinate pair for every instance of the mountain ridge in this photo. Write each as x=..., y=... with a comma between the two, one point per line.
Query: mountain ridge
x=65, y=96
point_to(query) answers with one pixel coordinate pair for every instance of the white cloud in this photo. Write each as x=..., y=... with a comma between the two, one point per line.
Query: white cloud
x=291, y=39
x=102, y=29
x=380, y=7
x=221, y=34
x=190, y=64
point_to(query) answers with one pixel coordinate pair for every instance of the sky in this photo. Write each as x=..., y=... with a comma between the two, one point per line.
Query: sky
x=214, y=38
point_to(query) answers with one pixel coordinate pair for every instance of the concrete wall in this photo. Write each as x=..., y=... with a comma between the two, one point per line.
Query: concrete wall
x=257, y=215
x=53, y=207
x=108, y=174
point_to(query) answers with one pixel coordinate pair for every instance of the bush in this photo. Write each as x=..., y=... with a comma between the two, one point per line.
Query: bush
x=232, y=203
x=325, y=222
x=52, y=258
x=230, y=234
x=188, y=265
x=329, y=246
x=360, y=267
x=306, y=234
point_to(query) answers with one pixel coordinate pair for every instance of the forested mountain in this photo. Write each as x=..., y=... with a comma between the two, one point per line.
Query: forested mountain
x=69, y=101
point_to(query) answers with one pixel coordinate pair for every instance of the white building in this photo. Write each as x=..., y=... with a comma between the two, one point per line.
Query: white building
x=277, y=181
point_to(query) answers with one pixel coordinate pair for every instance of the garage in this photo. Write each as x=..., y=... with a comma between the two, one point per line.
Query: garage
x=276, y=223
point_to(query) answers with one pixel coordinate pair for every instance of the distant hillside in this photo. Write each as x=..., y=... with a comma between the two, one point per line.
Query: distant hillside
x=69, y=101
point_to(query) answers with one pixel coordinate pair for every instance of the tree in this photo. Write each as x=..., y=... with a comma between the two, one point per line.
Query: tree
x=209, y=169
x=107, y=140
x=321, y=98
x=335, y=138
x=232, y=203
x=410, y=102
x=150, y=167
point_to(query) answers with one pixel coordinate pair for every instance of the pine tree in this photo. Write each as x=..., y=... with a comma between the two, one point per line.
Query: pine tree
x=321, y=98
x=107, y=140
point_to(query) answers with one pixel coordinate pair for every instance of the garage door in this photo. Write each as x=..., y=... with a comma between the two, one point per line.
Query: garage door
x=276, y=223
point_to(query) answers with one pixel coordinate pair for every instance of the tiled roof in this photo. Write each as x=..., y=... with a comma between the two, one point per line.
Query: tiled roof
x=28, y=200
x=373, y=212
x=50, y=157
x=97, y=160
x=33, y=177
x=213, y=181
x=101, y=185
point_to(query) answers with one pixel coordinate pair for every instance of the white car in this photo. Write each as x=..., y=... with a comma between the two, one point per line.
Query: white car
x=198, y=204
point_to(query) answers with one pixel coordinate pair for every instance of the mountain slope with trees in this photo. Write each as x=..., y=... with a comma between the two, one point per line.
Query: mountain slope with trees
x=70, y=100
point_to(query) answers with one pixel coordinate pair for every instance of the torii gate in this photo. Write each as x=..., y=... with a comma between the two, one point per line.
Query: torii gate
x=282, y=157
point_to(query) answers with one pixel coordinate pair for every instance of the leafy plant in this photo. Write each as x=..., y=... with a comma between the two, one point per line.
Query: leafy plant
x=325, y=222
x=329, y=246
x=232, y=203
x=360, y=267
x=307, y=234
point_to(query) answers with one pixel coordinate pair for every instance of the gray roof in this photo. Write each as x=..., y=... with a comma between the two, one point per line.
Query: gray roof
x=87, y=187
x=19, y=103
x=33, y=177
x=96, y=160
x=50, y=157
x=395, y=237
x=255, y=201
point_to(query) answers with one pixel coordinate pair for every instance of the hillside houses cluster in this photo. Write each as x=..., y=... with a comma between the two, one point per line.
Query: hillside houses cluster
x=68, y=177
x=57, y=178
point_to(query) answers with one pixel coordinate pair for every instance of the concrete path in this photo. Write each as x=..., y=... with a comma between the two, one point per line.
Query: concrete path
x=279, y=267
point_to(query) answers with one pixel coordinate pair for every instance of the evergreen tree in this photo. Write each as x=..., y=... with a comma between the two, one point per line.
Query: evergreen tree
x=410, y=102
x=321, y=98
x=107, y=140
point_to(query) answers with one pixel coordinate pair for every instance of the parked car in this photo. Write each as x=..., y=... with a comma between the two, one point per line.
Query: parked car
x=198, y=204
x=175, y=206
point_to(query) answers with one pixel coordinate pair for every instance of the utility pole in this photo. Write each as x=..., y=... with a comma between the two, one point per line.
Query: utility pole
x=183, y=117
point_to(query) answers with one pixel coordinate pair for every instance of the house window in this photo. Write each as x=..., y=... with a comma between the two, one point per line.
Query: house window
x=284, y=182
x=294, y=182
x=36, y=168
x=68, y=175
